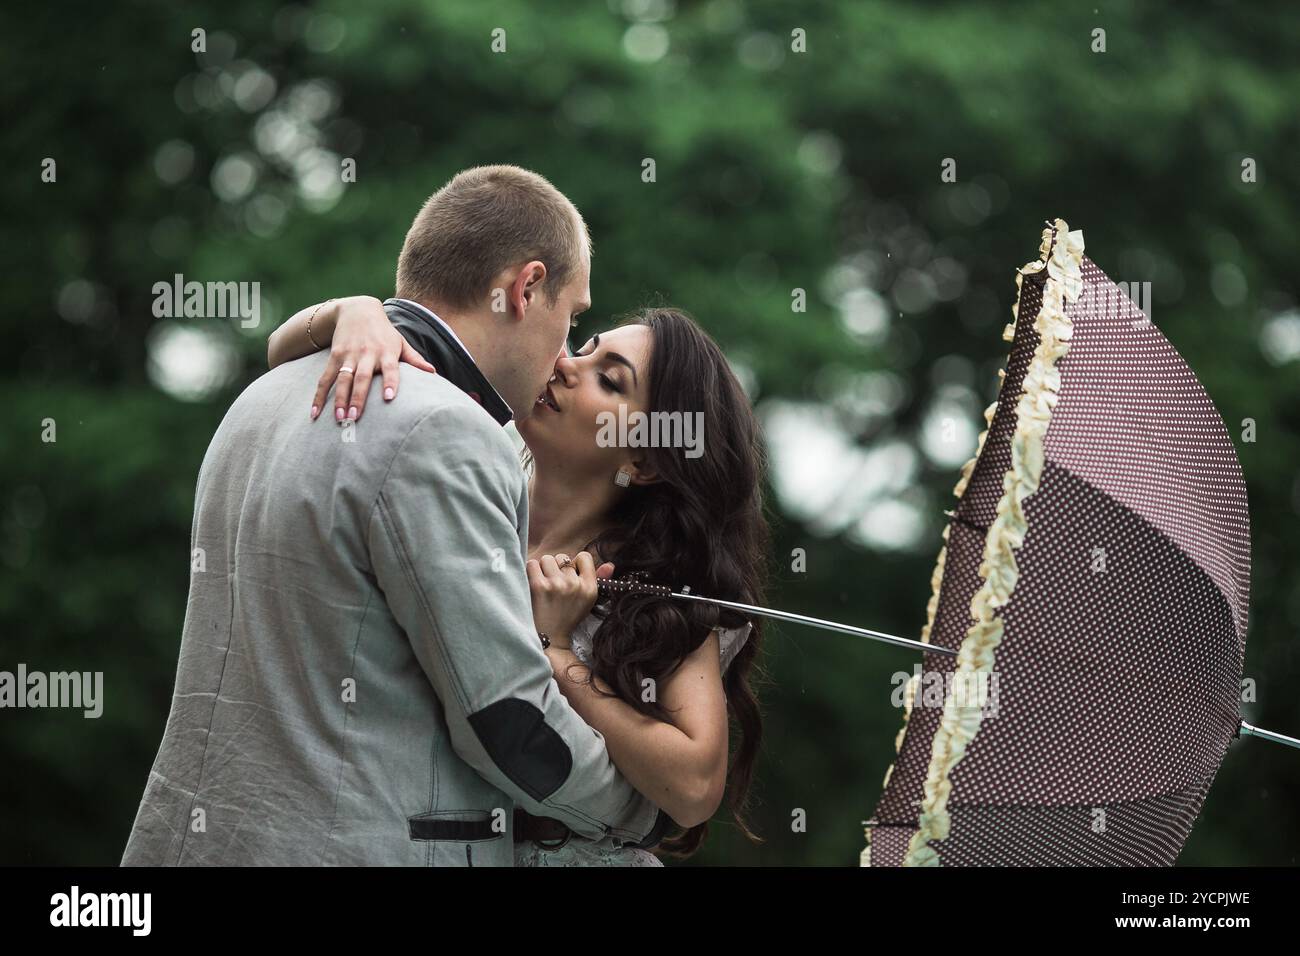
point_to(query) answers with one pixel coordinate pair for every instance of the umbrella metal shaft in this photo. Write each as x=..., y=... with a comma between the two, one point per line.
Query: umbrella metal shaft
x=1246, y=728
x=1253, y=731
x=818, y=622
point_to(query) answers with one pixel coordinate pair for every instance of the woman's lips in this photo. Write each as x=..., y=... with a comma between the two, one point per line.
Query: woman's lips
x=547, y=398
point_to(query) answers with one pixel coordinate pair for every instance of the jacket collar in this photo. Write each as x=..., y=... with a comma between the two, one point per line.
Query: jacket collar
x=436, y=342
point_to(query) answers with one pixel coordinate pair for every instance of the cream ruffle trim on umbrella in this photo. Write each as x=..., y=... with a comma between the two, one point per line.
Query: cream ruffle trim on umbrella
x=909, y=691
x=936, y=576
x=1061, y=253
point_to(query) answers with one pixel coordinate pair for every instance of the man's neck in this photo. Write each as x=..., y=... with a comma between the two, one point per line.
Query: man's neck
x=467, y=326
x=472, y=331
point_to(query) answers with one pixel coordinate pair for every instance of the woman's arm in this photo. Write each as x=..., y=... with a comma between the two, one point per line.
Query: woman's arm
x=360, y=339
x=680, y=766
x=290, y=340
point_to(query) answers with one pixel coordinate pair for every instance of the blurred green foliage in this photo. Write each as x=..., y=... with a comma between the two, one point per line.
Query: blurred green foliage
x=775, y=170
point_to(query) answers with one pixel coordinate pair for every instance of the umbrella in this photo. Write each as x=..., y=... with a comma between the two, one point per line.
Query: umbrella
x=1094, y=581
x=1086, y=630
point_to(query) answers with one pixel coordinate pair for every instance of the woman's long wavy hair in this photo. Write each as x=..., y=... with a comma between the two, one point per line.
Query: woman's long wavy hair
x=704, y=526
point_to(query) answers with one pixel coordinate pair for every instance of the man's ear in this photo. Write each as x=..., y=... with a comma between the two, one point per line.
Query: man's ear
x=527, y=285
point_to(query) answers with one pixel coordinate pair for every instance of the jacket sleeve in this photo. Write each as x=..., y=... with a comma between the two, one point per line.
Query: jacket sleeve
x=446, y=552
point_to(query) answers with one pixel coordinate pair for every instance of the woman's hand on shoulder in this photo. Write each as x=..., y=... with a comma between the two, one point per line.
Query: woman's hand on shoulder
x=364, y=341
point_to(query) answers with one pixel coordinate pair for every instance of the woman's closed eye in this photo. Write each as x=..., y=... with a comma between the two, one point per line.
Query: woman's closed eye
x=609, y=384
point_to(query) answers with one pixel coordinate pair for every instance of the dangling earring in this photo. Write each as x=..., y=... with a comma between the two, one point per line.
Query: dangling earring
x=623, y=478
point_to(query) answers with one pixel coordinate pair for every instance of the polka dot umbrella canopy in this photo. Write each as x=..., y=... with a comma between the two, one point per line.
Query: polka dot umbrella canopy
x=1094, y=582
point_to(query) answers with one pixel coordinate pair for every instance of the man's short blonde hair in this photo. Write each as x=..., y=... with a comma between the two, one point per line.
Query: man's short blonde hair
x=484, y=220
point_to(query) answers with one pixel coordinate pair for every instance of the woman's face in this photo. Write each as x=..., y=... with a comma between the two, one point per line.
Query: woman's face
x=609, y=370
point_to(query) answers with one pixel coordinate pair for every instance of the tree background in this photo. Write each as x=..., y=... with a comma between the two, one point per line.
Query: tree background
x=775, y=170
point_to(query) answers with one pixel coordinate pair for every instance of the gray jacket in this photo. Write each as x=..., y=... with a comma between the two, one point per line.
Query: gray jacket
x=360, y=680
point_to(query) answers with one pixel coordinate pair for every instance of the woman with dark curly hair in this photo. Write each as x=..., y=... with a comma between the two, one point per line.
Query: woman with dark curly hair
x=678, y=503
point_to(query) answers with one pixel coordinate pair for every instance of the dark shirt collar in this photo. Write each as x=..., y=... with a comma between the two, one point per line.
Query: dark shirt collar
x=434, y=339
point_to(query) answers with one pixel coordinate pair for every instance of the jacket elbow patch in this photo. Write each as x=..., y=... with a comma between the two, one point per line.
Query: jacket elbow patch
x=517, y=738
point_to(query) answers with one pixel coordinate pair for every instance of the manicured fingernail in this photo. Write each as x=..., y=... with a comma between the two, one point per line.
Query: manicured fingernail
x=338, y=414
x=315, y=410
x=388, y=394
x=352, y=413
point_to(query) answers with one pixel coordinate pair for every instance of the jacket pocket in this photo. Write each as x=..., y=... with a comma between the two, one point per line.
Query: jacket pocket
x=462, y=838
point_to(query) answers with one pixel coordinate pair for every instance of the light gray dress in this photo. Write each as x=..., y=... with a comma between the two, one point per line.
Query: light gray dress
x=580, y=851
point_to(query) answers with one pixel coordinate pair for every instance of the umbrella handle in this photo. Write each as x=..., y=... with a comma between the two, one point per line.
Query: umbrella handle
x=1251, y=730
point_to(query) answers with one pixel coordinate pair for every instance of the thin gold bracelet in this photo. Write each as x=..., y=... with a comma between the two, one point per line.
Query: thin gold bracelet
x=310, y=337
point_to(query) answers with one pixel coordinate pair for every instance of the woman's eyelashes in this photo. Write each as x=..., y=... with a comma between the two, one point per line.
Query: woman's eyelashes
x=608, y=383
